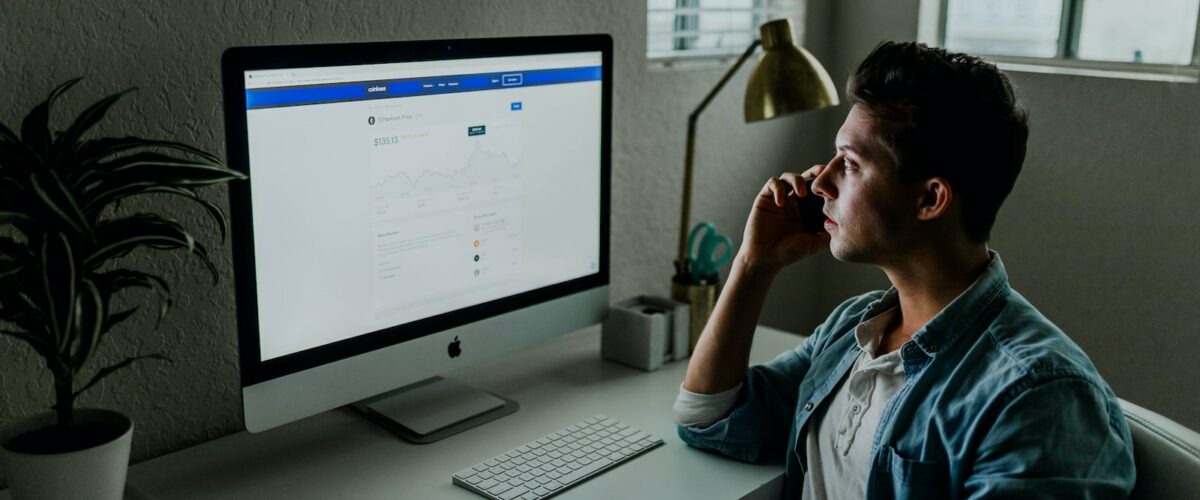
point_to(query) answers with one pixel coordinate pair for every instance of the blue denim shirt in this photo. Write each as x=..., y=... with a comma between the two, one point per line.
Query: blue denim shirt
x=997, y=402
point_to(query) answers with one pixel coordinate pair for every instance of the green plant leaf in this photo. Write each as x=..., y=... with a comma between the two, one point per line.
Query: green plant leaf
x=96, y=205
x=116, y=318
x=161, y=169
x=117, y=237
x=90, y=313
x=14, y=256
x=106, y=371
x=59, y=200
x=118, y=280
x=14, y=218
x=7, y=135
x=87, y=119
x=16, y=162
x=35, y=130
x=121, y=236
x=37, y=343
x=58, y=280
x=92, y=151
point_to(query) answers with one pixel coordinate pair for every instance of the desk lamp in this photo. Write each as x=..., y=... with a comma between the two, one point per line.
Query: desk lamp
x=787, y=79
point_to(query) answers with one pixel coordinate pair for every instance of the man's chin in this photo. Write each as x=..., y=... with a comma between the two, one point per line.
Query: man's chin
x=847, y=253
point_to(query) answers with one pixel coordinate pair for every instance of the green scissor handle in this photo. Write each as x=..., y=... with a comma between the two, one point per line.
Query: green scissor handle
x=702, y=262
x=710, y=264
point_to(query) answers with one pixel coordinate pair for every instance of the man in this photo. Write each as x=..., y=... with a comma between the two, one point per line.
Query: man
x=948, y=385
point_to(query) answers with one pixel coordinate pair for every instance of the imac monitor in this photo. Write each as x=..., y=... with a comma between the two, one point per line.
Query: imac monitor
x=412, y=207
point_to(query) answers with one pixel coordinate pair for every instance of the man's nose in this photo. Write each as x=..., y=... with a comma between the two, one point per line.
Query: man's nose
x=822, y=184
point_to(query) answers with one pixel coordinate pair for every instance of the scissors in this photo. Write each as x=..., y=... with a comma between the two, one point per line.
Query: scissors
x=703, y=264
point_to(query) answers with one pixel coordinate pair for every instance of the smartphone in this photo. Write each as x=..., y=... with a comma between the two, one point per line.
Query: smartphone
x=812, y=216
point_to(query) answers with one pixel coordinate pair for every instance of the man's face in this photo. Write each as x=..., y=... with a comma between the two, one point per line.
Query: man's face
x=871, y=214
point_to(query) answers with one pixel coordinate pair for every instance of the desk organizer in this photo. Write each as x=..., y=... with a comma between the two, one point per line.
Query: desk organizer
x=645, y=331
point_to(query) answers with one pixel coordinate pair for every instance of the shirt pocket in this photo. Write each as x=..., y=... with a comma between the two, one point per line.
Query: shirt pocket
x=917, y=478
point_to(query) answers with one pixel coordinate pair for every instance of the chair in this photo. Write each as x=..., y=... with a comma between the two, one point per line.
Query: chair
x=1167, y=455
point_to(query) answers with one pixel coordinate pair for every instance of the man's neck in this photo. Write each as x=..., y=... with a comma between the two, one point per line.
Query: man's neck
x=926, y=283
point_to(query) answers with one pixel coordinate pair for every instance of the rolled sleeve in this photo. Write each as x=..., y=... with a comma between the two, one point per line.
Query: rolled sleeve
x=758, y=426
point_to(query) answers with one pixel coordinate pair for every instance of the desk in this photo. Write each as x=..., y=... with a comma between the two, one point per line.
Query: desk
x=340, y=454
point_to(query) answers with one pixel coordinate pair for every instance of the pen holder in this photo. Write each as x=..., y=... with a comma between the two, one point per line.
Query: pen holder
x=702, y=299
x=645, y=331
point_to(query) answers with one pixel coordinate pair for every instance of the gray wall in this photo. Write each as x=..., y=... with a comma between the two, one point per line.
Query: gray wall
x=171, y=51
x=1114, y=279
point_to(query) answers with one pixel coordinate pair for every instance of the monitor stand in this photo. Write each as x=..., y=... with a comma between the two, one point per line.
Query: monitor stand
x=434, y=409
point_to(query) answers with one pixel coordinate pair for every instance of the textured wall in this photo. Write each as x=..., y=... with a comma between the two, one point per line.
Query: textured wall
x=171, y=52
x=1100, y=231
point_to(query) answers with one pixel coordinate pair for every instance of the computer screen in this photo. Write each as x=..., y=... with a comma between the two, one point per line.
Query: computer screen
x=403, y=191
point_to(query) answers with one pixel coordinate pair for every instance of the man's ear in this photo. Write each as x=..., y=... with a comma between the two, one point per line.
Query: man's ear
x=936, y=198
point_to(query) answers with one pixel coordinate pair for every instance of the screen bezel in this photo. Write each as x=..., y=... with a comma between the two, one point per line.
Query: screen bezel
x=236, y=61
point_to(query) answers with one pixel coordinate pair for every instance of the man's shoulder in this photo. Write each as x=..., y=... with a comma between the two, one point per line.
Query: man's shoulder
x=1031, y=348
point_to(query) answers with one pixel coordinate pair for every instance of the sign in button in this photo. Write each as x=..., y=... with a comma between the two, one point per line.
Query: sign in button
x=511, y=79
x=516, y=106
x=476, y=130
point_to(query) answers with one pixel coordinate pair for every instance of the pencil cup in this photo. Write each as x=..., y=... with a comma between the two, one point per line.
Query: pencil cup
x=702, y=299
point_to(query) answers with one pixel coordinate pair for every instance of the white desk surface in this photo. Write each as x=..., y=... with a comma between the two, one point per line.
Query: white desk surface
x=340, y=454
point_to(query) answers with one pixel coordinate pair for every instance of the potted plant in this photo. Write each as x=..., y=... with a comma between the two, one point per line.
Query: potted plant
x=62, y=235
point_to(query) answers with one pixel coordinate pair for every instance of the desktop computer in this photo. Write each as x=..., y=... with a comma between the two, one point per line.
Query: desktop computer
x=412, y=207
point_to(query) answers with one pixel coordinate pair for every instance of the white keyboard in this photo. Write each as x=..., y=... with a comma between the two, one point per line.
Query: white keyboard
x=548, y=466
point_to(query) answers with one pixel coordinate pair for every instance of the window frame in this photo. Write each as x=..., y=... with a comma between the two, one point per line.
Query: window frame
x=932, y=31
x=771, y=10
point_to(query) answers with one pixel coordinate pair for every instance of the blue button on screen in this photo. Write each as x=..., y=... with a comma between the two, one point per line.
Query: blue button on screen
x=516, y=106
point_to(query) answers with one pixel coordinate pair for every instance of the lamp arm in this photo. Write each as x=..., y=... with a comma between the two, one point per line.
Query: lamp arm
x=689, y=155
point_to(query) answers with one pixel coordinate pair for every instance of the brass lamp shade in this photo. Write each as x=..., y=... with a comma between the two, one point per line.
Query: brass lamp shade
x=787, y=78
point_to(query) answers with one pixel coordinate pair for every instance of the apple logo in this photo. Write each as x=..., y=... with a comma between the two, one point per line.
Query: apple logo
x=454, y=349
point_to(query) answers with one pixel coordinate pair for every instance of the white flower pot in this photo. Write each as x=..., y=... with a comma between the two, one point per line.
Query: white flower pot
x=96, y=473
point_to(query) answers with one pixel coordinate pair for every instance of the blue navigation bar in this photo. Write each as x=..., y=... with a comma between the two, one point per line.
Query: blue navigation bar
x=321, y=94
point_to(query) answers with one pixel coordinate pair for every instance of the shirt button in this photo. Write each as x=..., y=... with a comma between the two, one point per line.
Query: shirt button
x=808, y=407
x=855, y=408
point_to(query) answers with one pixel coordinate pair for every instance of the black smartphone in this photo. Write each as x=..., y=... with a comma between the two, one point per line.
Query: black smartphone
x=812, y=216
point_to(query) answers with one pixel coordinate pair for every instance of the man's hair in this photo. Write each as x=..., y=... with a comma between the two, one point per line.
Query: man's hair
x=946, y=115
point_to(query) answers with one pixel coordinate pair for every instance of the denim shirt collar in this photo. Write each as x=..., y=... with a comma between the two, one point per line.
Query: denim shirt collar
x=957, y=318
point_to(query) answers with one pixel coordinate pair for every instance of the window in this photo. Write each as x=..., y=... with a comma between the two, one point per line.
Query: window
x=713, y=29
x=1142, y=36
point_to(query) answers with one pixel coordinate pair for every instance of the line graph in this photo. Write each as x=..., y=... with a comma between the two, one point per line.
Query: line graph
x=432, y=159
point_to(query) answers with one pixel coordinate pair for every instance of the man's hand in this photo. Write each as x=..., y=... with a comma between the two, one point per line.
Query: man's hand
x=774, y=236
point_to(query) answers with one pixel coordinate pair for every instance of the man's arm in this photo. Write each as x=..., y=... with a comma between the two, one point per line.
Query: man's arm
x=758, y=423
x=1063, y=438
x=723, y=352
x=773, y=239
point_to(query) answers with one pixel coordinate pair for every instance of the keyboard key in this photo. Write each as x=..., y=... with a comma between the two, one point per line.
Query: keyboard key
x=514, y=493
x=584, y=471
x=499, y=488
x=487, y=485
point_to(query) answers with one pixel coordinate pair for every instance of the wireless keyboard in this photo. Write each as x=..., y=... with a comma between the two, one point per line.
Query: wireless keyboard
x=548, y=466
